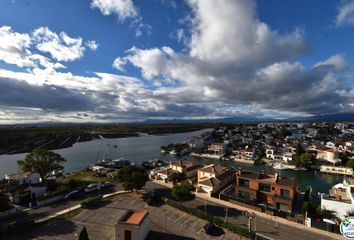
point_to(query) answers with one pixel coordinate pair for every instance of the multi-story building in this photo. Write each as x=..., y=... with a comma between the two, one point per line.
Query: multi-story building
x=217, y=148
x=273, y=190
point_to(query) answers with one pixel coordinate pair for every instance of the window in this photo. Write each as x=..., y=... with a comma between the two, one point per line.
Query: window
x=244, y=182
x=264, y=187
x=285, y=193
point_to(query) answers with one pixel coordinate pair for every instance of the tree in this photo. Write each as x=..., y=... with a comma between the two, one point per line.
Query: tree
x=305, y=159
x=326, y=213
x=177, y=176
x=5, y=203
x=83, y=234
x=183, y=192
x=43, y=162
x=132, y=177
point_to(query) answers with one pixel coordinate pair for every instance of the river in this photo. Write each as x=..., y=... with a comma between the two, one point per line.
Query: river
x=138, y=149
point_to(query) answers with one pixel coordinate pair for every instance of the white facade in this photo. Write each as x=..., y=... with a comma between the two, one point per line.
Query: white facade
x=24, y=178
x=133, y=230
x=340, y=199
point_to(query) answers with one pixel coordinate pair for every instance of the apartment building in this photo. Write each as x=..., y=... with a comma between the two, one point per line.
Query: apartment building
x=273, y=190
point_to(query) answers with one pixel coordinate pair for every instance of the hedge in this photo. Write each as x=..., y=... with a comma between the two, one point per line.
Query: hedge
x=92, y=201
x=210, y=218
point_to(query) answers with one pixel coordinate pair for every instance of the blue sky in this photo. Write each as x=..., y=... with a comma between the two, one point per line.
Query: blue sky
x=115, y=60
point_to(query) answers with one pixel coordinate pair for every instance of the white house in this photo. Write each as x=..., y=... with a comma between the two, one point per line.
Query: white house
x=218, y=148
x=133, y=225
x=340, y=198
x=24, y=178
x=329, y=155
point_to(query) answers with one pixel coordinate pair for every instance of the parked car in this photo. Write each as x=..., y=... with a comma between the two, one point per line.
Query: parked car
x=208, y=227
x=106, y=185
x=92, y=187
x=73, y=195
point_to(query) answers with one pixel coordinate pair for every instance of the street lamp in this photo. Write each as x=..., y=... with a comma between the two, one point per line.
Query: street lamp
x=250, y=216
x=226, y=210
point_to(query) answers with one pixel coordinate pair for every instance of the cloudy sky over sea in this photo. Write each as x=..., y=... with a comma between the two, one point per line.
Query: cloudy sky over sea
x=130, y=60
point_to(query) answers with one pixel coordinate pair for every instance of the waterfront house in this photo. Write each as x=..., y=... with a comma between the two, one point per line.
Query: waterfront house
x=340, y=198
x=30, y=186
x=186, y=167
x=217, y=148
x=273, y=190
x=328, y=155
x=214, y=178
x=244, y=153
x=24, y=178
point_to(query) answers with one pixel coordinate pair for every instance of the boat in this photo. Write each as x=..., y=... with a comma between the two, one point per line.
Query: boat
x=115, y=146
x=280, y=166
x=173, y=152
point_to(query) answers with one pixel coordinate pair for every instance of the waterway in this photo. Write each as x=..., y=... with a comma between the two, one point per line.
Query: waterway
x=138, y=149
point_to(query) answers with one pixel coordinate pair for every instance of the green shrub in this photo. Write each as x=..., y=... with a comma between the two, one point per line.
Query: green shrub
x=92, y=201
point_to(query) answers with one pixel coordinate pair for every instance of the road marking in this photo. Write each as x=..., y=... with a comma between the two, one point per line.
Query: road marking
x=183, y=215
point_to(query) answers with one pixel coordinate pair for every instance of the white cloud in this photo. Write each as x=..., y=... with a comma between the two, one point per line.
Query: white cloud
x=14, y=47
x=61, y=47
x=122, y=8
x=92, y=45
x=338, y=61
x=345, y=15
x=119, y=63
x=235, y=58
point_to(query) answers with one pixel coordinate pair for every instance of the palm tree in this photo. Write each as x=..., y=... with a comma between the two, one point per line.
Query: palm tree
x=329, y=214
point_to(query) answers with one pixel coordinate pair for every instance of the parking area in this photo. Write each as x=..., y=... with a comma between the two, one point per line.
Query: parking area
x=100, y=222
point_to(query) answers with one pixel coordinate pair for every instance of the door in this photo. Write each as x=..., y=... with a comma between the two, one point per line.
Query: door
x=127, y=235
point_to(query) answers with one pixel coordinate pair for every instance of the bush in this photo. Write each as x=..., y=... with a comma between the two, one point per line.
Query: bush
x=210, y=218
x=91, y=202
x=51, y=185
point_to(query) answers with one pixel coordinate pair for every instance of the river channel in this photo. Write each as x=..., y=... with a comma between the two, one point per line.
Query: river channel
x=138, y=149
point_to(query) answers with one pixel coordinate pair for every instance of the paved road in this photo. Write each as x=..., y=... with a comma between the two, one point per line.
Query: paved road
x=100, y=223
x=264, y=226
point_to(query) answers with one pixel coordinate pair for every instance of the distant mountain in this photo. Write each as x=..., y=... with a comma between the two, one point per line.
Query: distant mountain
x=218, y=120
x=326, y=117
x=319, y=118
x=239, y=119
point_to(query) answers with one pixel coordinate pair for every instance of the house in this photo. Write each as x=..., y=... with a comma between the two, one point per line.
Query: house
x=214, y=178
x=328, y=155
x=273, y=190
x=185, y=166
x=244, y=153
x=217, y=148
x=24, y=178
x=133, y=225
x=32, y=183
x=196, y=143
x=180, y=166
x=340, y=198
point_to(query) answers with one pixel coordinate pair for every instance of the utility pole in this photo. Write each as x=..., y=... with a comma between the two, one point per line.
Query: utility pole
x=205, y=209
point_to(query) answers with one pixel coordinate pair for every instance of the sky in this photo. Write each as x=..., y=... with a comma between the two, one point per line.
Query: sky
x=131, y=60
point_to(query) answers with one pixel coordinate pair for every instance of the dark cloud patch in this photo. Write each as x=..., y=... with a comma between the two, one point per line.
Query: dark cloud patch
x=15, y=93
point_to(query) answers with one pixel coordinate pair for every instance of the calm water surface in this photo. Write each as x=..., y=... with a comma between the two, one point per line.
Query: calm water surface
x=138, y=149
